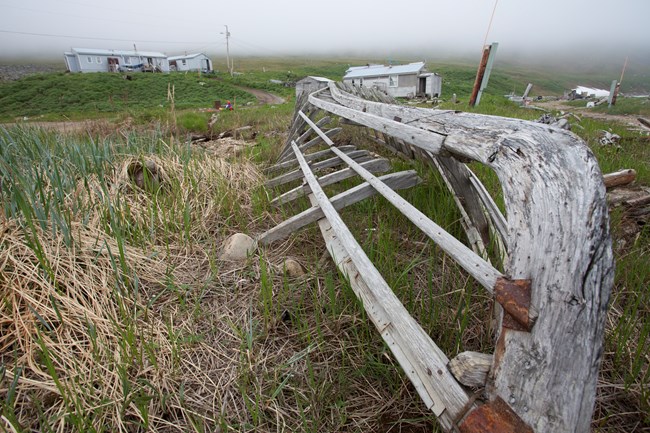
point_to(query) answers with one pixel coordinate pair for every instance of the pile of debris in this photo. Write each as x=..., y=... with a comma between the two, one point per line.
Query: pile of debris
x=561, y=120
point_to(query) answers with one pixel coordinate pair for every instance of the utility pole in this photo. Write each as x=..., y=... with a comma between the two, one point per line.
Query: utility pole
x=228, y=64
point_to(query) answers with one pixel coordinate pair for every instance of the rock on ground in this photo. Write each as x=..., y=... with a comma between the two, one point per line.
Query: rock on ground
x=237, y=247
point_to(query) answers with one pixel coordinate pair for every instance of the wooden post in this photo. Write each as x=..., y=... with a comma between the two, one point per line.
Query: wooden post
x=479, y=76
x=611, y=100
x=488, y=70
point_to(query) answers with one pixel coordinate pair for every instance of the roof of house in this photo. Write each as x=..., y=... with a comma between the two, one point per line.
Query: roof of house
x=187, y=56
x=381, y=70
x=599, y=93
x=100, y=52
x=320, y=79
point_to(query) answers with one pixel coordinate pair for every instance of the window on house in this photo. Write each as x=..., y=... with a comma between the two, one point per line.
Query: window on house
x=392, y=81
x=90, y=59
x=99, y=60
x=183, y=61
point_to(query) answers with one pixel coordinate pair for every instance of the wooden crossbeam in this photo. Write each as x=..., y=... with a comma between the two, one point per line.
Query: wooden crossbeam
x=315, y=156
x=423, y=362
x=395, y=181
x=477, y=267
x=379, y=165
x=359, y=155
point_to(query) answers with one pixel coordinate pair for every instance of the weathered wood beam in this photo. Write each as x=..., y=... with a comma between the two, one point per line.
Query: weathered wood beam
x=311, y=143
x=423, y=362
x=471, y=368
x=477, y=267
x=379, y=165
x=359, y=155
x=619, y=178
x=300, y=140
x=426, y=139
x=292, y=163
x=395, y=181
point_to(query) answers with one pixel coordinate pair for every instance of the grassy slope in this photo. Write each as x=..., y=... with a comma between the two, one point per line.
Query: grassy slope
x=97, y=94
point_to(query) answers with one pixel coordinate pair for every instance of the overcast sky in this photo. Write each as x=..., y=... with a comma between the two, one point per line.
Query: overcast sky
x=378, y=28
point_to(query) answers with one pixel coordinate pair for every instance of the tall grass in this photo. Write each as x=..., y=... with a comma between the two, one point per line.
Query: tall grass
x=88, y=255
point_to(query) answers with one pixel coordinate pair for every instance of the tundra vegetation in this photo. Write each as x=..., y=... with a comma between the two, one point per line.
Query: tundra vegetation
x=117, y=313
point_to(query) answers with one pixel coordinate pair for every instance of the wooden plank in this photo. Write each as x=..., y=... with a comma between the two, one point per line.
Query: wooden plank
x=292, y=163
x=379, y=165
x=360, y=155
x=395, y=181
x=619, y=178
x=423, y=362
x=477, y=267
x=471, y=368
x=300, y=140
x=427, y=140
x=311, y=143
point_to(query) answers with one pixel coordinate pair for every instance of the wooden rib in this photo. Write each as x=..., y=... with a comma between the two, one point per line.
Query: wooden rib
x=311, y=143
x=292, y=163
x=379, y=165
x=423, y=362
x=287, y=149
x=396, y=181
x=328, y=163
x=477, y=267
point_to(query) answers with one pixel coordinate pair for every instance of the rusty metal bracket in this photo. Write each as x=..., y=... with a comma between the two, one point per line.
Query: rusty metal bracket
x=514, y=296
x=494, y=417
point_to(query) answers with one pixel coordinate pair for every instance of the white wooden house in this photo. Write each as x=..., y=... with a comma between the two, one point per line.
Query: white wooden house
x=99, y=60
x=311, y=84
x=190, y=62
x=401, y=81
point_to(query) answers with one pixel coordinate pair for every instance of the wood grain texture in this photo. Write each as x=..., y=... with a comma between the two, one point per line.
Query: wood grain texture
x=378, y=165
x=423, y=362
x=557, y=235
x=395, y=181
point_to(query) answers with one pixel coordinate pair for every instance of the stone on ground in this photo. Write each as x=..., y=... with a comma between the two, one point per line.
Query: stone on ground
x=237, y=247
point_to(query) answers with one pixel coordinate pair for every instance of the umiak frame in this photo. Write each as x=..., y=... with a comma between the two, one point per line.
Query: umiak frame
x=558, y=269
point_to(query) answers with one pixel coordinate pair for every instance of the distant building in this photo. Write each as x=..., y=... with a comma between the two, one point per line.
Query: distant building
x=190, y=62
x=401, y=81
x=98, y=60
x=311, y=84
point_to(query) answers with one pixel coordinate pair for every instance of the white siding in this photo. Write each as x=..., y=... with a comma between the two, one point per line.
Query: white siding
x=196, y=63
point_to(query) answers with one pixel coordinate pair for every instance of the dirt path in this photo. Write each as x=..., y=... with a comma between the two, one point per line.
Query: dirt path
x=263, y=96
x=628, y=120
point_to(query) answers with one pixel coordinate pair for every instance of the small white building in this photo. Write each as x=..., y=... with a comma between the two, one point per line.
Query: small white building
x=98, y=60
x=311, y=84
x=401, y=81
x=190, y=62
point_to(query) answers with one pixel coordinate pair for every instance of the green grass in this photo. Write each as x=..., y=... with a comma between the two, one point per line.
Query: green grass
x=629, y=106
x=79, y=95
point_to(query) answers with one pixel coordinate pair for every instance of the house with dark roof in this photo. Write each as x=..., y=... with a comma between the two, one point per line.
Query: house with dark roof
x=400, y=81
